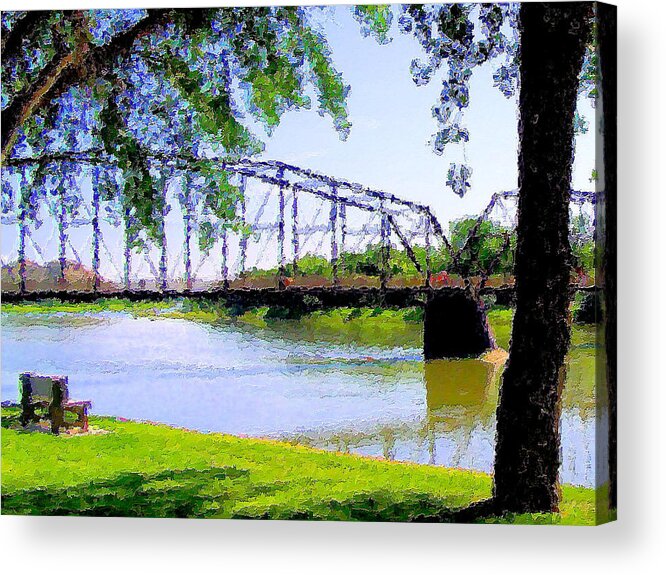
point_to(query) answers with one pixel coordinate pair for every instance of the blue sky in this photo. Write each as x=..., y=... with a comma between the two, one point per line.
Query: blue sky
x=388, y=147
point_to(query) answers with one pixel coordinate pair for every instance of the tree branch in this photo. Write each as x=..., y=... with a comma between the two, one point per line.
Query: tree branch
x=86, y=60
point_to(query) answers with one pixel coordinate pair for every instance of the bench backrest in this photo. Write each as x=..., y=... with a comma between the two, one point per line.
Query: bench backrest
x=43, y=387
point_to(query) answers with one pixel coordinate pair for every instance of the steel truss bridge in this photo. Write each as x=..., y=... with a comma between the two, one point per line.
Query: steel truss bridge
x=283, y=212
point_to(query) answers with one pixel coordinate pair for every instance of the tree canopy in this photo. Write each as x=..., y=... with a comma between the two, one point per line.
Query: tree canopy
x=134, y=85
x=131, y=84
x=456, y=39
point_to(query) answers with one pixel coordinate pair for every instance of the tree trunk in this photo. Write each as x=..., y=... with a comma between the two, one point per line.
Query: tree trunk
x=607, y=18
x=553, y=38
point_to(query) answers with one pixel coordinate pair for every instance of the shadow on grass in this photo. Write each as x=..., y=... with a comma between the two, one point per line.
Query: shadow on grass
x=376, y=506
x=186, y=493
x=225, y=492
x=10, y=414
x=221, y=492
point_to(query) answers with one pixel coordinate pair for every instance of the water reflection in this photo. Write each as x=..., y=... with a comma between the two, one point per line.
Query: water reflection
x=460, y=393
x=342, y=395
x=459, y=404
x=458, y=426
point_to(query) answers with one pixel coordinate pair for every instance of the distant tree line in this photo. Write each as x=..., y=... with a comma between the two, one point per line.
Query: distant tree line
x=488, y=249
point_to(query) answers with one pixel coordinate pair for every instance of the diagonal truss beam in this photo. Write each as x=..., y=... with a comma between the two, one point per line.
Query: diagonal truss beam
x=337, y=191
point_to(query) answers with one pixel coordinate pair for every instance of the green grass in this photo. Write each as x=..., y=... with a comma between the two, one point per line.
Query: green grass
x=363, y=326
x=48, y=306
x=501, y=320
x=145, y=470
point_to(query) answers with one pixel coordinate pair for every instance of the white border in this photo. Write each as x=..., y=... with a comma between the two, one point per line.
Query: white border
x=634, y=544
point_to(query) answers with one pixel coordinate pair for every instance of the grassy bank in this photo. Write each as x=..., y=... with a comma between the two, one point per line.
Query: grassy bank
x=139, y=469
x=364, y=326
x=147, y=470
x=51, y=306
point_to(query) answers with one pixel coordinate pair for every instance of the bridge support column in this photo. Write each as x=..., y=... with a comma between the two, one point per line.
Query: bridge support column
x=385, y=234
x=23, y=232
x=333, y=225
x=343, y=227
x=242, y=246
x=294, y=232
x=454, y=326
x=428, y=262
x=281, y=234
x=62, y=231
x=163, y=246
x=127, y=248
x=225, y=259
x=187, y=225
x=95, y=229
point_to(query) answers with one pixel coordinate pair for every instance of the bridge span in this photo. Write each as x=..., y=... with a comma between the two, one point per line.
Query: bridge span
x=280, y=214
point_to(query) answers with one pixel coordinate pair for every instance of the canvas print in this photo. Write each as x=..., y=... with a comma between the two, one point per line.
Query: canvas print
x=310, y=262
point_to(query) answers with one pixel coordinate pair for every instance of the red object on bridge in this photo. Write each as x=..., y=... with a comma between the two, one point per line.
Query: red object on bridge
x=441, y=279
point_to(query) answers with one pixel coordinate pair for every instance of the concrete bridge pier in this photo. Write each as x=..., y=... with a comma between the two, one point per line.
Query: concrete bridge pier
x=454, y=326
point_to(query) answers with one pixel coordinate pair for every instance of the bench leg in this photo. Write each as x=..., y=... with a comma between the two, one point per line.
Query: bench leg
x=82, y=417
x=27, y=414
x=81, y=412
x=57, y=416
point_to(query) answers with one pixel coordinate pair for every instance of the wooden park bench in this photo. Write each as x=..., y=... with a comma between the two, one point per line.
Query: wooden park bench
x=50, y=393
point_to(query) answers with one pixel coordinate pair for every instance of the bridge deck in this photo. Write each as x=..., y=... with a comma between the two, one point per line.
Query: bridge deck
x=310, y=297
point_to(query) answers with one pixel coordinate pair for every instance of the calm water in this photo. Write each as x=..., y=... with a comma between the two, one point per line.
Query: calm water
x=251, y=381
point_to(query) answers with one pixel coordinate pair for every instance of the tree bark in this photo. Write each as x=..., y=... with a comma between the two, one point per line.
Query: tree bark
x=553, y=38
x=607, y=19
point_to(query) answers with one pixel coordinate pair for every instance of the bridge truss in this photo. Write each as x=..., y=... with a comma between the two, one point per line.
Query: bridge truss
x=284, y=213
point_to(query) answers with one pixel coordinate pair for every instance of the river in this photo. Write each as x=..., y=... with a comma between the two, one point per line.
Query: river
x=373, y=400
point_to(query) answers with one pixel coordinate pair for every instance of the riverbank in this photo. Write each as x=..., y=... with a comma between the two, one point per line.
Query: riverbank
x=146, y=470
x=366, y=326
